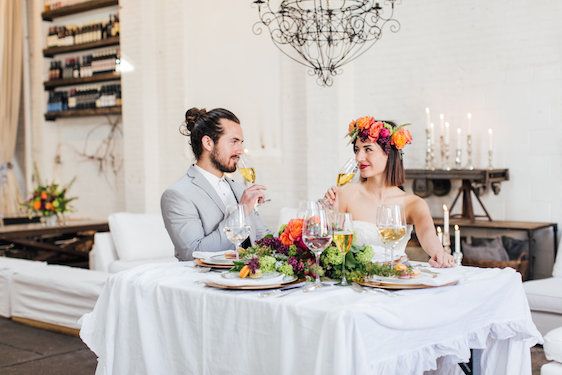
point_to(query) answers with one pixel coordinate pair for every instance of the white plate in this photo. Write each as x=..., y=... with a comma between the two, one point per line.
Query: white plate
x=236, y=275
x=219, y=259
x=395, y=280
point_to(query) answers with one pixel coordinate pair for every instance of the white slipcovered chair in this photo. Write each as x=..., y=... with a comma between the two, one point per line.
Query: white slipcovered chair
x=545, y=299
x=133, y=240
x=553, y=352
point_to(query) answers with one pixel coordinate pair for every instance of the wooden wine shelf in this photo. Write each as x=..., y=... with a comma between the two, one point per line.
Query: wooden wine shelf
x=49, y=85
x=52, y=51
x=77, y=8
x=52, y=116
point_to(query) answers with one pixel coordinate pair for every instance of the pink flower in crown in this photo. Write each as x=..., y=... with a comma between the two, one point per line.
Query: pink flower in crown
x=384, y=133
x=375, y=130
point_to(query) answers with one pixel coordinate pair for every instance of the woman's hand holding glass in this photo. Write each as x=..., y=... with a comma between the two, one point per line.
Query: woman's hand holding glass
x=345, y=175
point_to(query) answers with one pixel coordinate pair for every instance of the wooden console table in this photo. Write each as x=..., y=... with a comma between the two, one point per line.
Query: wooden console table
x=48, y=242
x=528, y=227
x=472, y=181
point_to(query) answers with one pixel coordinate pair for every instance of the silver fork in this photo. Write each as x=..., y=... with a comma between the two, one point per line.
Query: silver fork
x=360, y=289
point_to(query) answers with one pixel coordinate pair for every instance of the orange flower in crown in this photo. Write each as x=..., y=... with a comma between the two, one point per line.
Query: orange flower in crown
x=401, y=138
x=292, y=232
x=385, y=133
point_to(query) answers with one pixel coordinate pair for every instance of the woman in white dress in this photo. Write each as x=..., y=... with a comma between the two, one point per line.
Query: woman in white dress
x=378, y=151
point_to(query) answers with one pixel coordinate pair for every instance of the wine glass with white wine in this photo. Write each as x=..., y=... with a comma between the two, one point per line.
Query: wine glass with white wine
x=347, y=172
x=342, y=227
x=391, y=224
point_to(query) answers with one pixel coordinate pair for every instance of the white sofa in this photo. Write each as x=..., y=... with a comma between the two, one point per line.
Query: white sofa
x=133, y=240
x=57, y=295
x=545, y=298
x=8, y=268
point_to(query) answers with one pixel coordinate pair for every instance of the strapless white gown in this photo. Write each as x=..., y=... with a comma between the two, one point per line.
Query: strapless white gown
x=365, y=233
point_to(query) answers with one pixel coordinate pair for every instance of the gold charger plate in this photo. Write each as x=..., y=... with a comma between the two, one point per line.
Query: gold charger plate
x=252, y=287
x=375, y=284
x=201, y=263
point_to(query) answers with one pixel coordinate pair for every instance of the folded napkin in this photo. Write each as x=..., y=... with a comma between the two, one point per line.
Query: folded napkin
x=219, y=279
x=206, y=254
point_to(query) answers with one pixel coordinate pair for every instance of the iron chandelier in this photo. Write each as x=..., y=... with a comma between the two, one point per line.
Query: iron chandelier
x=325, y=34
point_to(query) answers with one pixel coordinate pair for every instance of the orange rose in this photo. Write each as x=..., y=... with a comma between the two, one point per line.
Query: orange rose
x=351, y=127
x=374, y=131
x=365, y=122
x=49, y=206
x=43, y=195
x=292, y=232
x=36, y=205
x=401, y=138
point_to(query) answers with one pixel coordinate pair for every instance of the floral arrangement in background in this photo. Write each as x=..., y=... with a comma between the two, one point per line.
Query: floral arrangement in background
x=287, y=254
x=50, y=199
x=384, y=133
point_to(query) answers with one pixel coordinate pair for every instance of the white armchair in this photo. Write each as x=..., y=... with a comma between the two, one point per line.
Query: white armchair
x=545, y=299
x=553, y=352
x=133, y=240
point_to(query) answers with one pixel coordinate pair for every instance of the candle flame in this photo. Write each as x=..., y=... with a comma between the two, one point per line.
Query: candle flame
x=456, y=227
x=445, y=208
x=469, y=115
x=427, y=110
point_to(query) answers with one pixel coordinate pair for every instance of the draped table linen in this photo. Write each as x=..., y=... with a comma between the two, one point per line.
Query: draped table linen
x=160, y=319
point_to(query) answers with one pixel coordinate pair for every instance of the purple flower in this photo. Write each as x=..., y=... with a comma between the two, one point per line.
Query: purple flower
x=254, y=264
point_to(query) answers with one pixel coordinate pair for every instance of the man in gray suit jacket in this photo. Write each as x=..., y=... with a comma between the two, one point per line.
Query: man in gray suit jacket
x=195, y=207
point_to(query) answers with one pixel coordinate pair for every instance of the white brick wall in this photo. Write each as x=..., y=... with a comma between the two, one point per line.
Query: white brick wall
x=499, y=60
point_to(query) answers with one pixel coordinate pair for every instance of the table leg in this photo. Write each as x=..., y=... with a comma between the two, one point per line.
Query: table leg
x=473, y=366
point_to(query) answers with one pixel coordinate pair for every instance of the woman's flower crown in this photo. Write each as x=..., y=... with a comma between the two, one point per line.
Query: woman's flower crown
x=367, y=129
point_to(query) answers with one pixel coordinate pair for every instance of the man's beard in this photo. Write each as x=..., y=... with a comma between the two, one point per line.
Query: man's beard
x=219, y=165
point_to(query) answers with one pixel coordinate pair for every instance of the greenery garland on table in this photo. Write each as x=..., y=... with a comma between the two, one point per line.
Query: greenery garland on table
x=289, y=255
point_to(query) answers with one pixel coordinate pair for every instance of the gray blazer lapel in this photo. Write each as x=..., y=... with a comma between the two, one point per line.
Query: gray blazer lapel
x=201, y=181
x=237, y=188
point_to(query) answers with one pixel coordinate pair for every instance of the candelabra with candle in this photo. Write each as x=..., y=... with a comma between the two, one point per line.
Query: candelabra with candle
x=429, y=156
x=458, y=152
x=469, y=164
x=457, y=255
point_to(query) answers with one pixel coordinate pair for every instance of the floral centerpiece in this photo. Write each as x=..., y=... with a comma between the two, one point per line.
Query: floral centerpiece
x=287, y=254
x=49, y=200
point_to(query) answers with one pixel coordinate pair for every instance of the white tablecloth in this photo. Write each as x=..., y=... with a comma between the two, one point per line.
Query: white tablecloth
x=158, y=320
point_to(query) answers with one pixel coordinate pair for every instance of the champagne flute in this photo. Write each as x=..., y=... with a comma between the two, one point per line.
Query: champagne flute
x=247, y=169
x=347, y=172
x=343, y=237
x=391, y=224
x=316, y=233
x=236, y=227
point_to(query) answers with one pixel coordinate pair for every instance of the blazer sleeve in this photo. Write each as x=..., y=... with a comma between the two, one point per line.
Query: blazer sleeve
x=185, y=228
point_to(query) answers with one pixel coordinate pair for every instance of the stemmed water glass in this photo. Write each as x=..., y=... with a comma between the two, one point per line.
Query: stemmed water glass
x=316, y=233
x=391, y=224
x=342, y=227
x=236, y=227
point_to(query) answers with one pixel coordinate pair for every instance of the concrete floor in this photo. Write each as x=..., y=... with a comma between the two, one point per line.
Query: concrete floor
x=30, y=351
